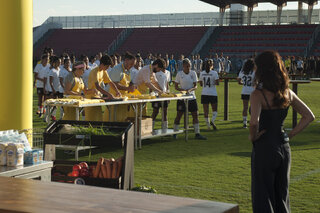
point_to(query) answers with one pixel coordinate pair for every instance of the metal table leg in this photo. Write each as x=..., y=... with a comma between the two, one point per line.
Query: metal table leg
x=162, y=119
x=186, y=119
x=77, y=114
x=141, y=109
x=135, y=109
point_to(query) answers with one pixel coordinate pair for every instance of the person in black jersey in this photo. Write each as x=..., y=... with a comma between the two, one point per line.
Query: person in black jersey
x=270, y=160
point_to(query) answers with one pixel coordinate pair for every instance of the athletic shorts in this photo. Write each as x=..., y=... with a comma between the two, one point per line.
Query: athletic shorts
x=209, y=99
x=192, y=106
x=40, y=91
x=158, y=104
x=245, y=97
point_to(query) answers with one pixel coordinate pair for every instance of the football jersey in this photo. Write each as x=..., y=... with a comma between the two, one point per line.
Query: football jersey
x=186, y=81
x=247, y=81
x=163, y=79
x=62, y=74
x=41, y=71
x=56, y=81
x=209, y=82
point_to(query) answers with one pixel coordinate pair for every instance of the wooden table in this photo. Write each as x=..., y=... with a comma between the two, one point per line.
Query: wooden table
x=295, y=90
x=18, y=195
x=41, y=171
x=294, y=76
x=226, y=96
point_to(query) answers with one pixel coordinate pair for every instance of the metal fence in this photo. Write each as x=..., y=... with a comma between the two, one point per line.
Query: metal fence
x=176, y=19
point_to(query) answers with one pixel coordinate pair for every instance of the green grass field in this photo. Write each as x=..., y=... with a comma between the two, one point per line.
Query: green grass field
x=219, y=169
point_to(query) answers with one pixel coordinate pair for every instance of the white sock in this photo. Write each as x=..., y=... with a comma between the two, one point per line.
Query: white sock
x=207, y=121
x=244, y=119
x=214, y=116
x=41, y=109
x=153, y=123
x=165, y=125
x=196, y=128
x=176, y=127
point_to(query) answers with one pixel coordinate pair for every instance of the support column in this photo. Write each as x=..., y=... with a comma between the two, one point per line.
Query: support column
x=16, y=90
x=310, y=10
x=222, y=11
x=279, y=11
x=249, y=13
x=300, y=12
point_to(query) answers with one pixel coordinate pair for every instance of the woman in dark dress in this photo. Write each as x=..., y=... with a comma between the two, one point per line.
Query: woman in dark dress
x=270, y=160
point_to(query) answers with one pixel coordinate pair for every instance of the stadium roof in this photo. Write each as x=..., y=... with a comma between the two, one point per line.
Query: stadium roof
x=226, y=3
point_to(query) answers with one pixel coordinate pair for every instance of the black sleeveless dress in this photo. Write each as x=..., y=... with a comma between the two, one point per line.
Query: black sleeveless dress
x=270, y=163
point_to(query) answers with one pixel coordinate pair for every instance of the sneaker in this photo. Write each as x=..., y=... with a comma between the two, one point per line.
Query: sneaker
x=200, y=137
x=244, y=126
x=40, y=115
x=38, y=112
x=213, y=125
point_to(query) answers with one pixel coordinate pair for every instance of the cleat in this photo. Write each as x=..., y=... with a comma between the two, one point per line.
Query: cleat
x=200, y=137
x=213, y=125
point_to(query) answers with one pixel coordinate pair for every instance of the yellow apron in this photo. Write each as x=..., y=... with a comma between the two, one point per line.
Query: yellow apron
x=70, y=112
x=143, y=89
x=123, y=111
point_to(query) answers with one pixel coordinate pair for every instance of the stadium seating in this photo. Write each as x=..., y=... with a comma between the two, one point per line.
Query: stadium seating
x=163, y=40
x=247, y=40
x=79, y=41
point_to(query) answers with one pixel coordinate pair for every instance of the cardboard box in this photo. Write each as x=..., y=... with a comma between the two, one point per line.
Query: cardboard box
x=145, y=125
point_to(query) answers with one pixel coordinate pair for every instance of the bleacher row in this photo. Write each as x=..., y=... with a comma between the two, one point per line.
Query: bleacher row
x=144, y=40
x=246, y=40
x=231, y=40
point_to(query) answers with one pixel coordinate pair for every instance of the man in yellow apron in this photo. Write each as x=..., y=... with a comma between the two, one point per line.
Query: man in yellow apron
x=121, y=76
x=97, y=77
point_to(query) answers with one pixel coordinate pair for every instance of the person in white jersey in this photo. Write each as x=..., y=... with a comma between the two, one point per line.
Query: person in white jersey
x=186, y=81
x=87, y=70
x=39, y=73
x=64, y=71
x=246, y=78
x=55, y=82
x=163, y=78
x=208, y=79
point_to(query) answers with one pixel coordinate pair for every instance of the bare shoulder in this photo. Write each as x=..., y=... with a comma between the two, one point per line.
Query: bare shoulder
x=256, y=94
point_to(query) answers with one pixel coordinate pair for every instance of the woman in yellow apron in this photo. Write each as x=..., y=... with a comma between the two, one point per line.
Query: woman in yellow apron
x=74, y=86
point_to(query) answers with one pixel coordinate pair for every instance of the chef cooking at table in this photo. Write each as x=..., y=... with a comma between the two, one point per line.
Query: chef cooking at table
x=97, y=78
x=121, y=76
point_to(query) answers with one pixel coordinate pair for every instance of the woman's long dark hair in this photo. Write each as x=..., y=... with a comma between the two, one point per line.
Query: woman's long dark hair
x=208, y=65
x=272, y=75
x=248, y=67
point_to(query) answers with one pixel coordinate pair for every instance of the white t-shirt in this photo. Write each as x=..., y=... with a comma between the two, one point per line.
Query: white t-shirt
x=247, y=82
x=163, y=79
x=62, y=74
x=186, y=81
x=85, y=77
x=41, y=71
x=209, y=82
x=56, y=81
x=133, y=74
x=47, y=75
